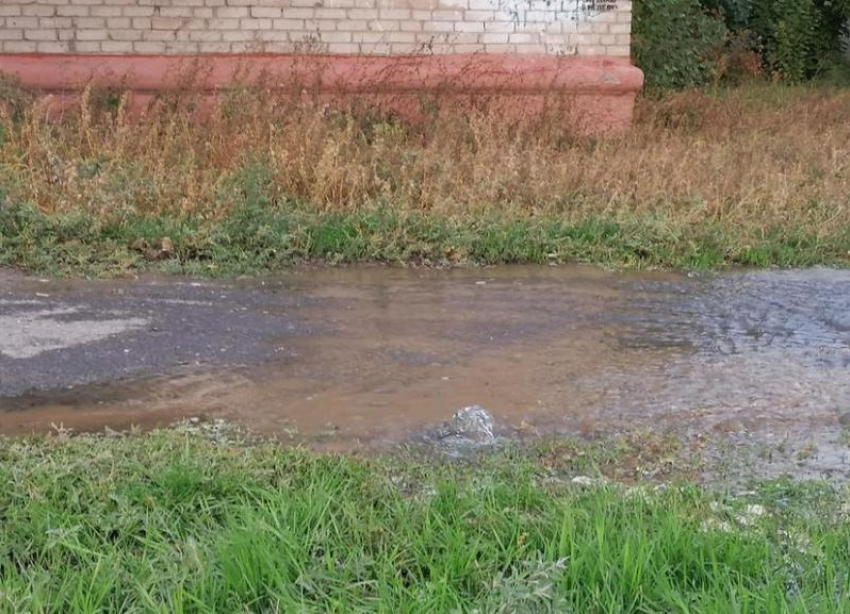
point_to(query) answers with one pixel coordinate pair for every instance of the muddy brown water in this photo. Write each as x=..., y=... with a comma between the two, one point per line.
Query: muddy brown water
x=368, y=356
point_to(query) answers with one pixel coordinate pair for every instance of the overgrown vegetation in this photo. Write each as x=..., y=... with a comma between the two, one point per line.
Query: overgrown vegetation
x=168, y=523
x=677, y=43
x=689, y=43
x=756, y=176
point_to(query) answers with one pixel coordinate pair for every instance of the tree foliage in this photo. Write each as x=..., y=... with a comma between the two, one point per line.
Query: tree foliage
x=675, y=42
x=685, y=43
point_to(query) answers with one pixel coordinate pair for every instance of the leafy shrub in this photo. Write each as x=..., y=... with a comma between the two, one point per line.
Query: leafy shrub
x=741, y=60
x=736, y=13
x=787, y=30
x=798, y=39
x=676, y=43
x=686, y=43
x=829, y=40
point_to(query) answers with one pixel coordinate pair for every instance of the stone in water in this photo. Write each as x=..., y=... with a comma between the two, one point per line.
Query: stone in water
x=473, y=423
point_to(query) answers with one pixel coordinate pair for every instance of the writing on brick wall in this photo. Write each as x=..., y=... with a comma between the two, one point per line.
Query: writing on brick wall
x=526, y=11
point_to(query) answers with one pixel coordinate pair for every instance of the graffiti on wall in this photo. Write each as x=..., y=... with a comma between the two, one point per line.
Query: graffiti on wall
x=526, y=11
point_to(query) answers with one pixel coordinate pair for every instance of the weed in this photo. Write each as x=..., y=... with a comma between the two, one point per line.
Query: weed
x=755, y=176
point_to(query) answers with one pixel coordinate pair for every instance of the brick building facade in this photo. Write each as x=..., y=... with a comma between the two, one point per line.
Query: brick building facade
x=331, y=26
x=50, y=43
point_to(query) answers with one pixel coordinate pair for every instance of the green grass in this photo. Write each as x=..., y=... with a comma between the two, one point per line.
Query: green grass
x=171, y=523
x=272, y=236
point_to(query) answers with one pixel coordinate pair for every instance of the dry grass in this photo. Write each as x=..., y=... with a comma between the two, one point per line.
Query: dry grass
x=751, y=159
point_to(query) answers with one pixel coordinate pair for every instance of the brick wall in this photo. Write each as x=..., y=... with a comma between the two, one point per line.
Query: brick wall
x=378, y=27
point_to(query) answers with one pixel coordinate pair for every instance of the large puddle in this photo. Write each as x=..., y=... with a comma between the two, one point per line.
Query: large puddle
x=365, y=356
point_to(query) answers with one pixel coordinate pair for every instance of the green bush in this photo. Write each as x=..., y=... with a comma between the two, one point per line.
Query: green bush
x=687, y=43
x=787, y=30
x=736, y=13
x=801, y=38
x=798, y=39
x=676, y=43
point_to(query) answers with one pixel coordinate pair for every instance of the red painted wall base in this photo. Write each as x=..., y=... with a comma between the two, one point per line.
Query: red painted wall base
x=600, y=90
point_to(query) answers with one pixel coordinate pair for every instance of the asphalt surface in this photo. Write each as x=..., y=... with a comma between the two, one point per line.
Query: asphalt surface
x=57, y=334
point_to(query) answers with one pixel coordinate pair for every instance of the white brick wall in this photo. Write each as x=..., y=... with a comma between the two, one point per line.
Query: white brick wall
x=583, y=27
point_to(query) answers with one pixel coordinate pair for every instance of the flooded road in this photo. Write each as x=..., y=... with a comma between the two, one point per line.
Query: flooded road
x=368, y=356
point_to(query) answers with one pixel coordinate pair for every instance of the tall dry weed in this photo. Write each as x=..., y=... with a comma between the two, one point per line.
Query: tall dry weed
x=757, y=156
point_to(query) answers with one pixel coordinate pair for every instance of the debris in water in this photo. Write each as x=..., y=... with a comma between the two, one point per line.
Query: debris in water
x=469, y=429
x=473, y=423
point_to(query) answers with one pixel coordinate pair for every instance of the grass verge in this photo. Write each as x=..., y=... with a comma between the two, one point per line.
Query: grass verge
x=170, y=522
x=753, y=176
x=274, y=236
